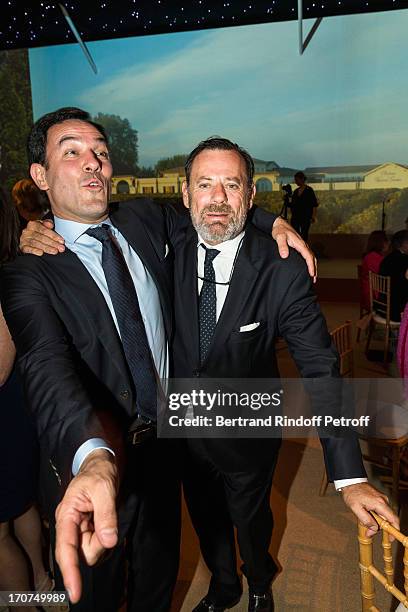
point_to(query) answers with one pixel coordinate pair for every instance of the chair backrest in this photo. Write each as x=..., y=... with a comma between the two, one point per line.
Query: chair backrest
x=368, y=571
x=341, y=336
x=380, y=294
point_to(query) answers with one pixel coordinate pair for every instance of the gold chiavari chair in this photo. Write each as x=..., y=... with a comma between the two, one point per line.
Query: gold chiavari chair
x=368, y=571
x=380, y=305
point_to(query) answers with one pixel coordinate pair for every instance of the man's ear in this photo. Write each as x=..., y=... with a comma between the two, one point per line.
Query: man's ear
x=37, y=173
x=252, y=193
x=186, y=199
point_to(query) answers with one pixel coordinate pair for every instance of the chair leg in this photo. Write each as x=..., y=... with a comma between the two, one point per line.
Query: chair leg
x=370, y=333
x=387, y=342
x=366, y=578
x=323, y=485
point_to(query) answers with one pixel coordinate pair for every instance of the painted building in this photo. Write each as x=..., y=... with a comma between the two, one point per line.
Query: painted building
x=270, y=177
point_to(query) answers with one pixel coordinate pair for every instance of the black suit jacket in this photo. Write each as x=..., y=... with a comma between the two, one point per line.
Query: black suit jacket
x=76, y=378
x=278, y=294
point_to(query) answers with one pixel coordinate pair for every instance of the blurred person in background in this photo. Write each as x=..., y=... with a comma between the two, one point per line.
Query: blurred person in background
x=395, y=265
x=377, y=246
x=30, y=202
x=303, y=205
x=21, y=563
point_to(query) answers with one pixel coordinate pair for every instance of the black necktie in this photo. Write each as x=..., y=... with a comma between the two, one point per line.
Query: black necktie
x=208, y=303
x=132, y=330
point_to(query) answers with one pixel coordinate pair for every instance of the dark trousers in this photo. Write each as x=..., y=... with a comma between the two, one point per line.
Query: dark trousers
x=218, y=501
x=149, y=555
x=302, y=227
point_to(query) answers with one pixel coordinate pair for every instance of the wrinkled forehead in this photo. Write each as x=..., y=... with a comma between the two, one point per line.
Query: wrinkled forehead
x=217, y=162
x=73, y=129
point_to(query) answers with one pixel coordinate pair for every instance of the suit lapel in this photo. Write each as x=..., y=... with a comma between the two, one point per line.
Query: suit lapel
x=86, y=298
x=186, y=275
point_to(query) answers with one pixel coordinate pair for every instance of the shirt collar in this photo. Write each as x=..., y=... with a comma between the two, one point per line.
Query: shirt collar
x=228, y=247
x=72, y=230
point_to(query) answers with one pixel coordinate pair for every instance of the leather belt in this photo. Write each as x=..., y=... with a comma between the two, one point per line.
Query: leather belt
x=141, y=431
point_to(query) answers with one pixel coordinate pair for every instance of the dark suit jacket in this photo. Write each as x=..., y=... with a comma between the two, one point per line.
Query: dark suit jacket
x=278, y=293
x=76, y=379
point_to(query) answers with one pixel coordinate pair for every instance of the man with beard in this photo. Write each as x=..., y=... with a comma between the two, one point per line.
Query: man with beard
x=233, y=297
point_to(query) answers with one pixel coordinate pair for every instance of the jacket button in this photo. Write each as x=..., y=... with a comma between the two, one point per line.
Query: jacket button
x=196, y=373
x=124, y=394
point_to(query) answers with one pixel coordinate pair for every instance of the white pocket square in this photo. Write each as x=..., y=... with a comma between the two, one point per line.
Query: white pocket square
x=249, y=327
x=166, y=250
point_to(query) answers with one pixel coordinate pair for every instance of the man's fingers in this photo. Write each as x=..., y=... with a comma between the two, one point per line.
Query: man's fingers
x=386, y=513
x=282, y=245
x=307, y=255
x=285, y=237
x=366, y=519
x=41, y=246
x=39, y=237
x=48, y=223
x=30, y=250
x=105, y=519
x=379, y=504
x=45, y=228
x=362, y=499
x=66, y=554
x=91, y=546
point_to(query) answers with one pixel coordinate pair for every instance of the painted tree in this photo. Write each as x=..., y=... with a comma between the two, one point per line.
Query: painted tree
x=168, y=163
x=123, y=143
x=16, y=115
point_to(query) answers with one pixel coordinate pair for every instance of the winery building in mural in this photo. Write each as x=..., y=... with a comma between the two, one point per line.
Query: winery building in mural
x=270, y=177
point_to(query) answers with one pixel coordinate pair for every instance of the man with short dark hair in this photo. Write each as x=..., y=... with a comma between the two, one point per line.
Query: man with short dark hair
x=395, y=265
x=91, y=327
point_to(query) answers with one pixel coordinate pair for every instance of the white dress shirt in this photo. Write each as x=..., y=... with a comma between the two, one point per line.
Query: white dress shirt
x=89, y=251
x=223, y=267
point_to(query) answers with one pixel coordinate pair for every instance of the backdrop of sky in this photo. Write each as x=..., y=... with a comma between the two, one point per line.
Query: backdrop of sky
x=343, y=102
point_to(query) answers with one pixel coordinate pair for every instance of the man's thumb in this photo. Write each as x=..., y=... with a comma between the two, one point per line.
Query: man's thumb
x=108, y=536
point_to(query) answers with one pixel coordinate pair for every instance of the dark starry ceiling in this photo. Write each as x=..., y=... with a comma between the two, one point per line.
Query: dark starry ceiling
x=39, y=23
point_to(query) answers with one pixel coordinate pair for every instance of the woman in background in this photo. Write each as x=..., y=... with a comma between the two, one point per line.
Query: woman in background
x=20, y=526
x=377, y=246
x=30, y=201
x=304, y=205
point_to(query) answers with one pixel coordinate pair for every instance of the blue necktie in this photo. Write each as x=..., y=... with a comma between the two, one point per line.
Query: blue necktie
x=132, y=330
x=208, y=303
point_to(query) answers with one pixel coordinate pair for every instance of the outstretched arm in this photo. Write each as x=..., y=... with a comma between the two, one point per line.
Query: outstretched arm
x=303, y=327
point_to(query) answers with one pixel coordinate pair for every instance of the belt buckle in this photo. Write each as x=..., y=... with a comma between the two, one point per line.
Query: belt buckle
x=141, y=433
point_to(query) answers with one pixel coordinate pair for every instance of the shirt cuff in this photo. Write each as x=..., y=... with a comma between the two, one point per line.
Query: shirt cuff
x=346, y=482
x=85, y=449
